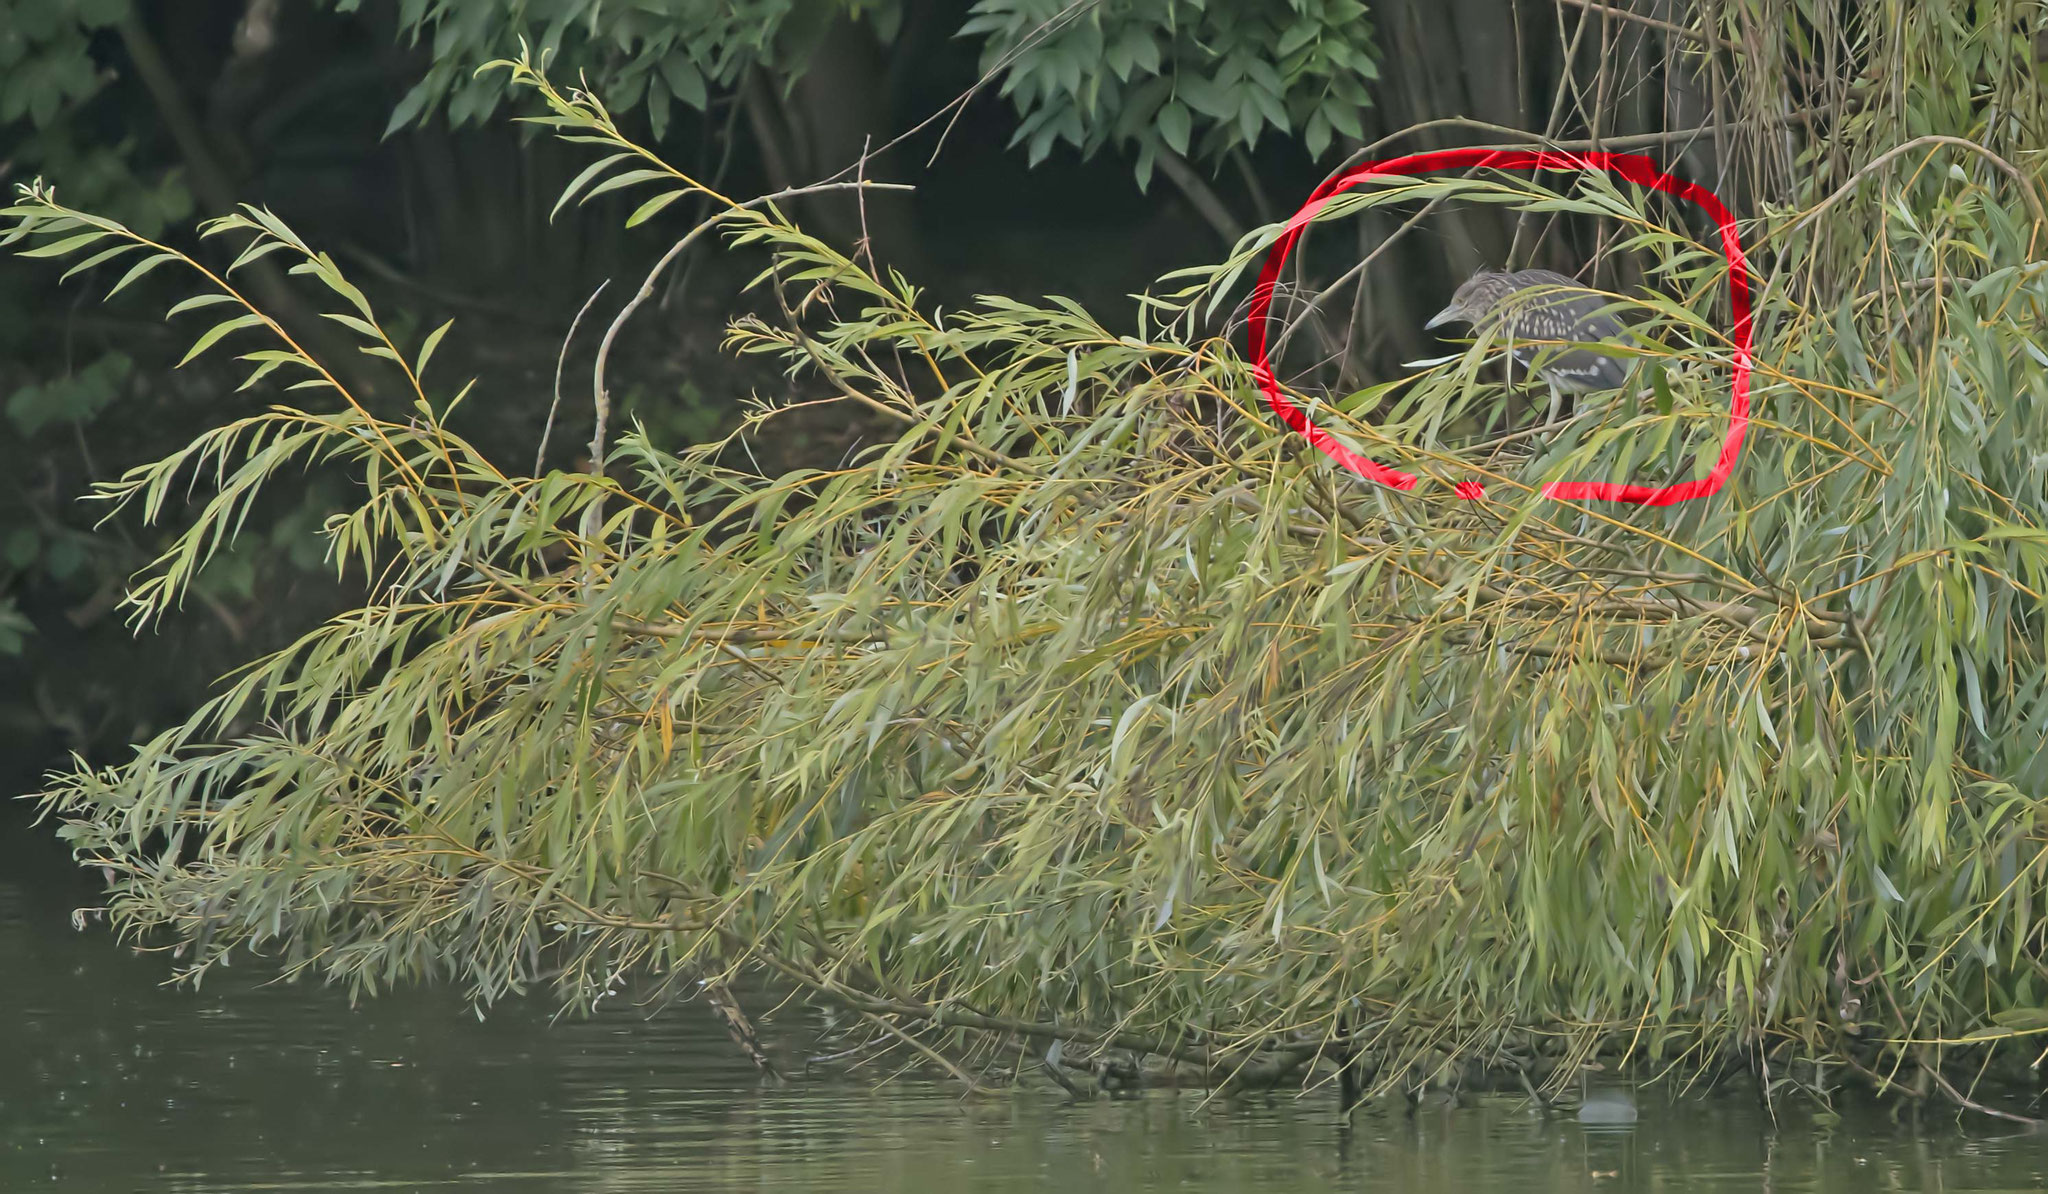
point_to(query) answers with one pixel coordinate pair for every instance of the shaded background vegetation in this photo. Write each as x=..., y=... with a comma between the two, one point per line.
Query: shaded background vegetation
x=1109, y=143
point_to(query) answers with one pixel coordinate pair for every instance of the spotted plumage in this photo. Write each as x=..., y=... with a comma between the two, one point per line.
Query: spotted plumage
x=1544, y=306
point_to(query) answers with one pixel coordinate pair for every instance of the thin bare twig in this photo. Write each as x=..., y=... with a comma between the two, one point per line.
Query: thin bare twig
x=1965, y=1101
x=1633, y=141
x=926, y=1051
x=1287, y=333
x=959, y=103
x=767, y=635
x=867, y=243
x=957, y=1017
x=2011, y=171
x=1945, y=282
x=814, y=350
x=1693, y=35
x=540, y=454
x=600, y=394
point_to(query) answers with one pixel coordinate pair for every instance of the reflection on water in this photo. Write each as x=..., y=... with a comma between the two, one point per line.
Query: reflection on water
x=111, y=1082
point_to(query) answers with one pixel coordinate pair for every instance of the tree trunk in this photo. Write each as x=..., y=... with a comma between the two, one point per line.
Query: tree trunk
x=840, y=108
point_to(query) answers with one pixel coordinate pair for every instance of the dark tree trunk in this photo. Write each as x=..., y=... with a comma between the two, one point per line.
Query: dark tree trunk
x=839, y=108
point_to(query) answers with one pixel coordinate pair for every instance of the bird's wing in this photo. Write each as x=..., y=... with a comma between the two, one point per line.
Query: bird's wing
x=1590, y=321
x=1563, y=309
x=1585, y=369
x=1578, y=306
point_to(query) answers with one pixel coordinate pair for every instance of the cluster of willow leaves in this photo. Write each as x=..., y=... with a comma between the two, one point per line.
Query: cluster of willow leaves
x=1095, y=725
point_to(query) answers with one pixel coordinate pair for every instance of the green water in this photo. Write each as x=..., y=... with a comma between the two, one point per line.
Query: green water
x=111, y=1082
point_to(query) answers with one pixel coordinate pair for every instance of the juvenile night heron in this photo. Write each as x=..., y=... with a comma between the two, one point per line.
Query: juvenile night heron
x=1540, y=305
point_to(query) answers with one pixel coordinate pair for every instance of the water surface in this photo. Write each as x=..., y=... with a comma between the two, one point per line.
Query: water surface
x=110, y=1081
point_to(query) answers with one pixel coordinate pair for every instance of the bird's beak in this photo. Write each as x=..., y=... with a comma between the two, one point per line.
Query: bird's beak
x=1447, y=315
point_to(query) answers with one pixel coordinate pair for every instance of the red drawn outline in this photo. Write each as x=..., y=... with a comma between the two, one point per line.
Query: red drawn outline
x=1634, y=167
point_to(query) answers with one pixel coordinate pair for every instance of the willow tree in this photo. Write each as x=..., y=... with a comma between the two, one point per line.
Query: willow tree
x=1096, y=720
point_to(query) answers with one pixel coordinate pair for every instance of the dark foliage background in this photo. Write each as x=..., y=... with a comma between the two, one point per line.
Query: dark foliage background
x=160, y=115
x=1106, y=144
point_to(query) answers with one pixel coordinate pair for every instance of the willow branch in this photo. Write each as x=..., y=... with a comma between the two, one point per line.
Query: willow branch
x=1631, y=141
x=811, y=349
x=600, y=393
x=2010, y=170
x=1693, y=35
x=1963, y=1100
x=956, y=1018
x=540, y=453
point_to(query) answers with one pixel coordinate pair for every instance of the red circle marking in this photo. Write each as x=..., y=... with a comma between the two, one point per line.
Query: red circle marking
x=1632, y=166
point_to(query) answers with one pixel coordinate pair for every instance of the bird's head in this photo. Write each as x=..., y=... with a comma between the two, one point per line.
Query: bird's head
x=1473, y=300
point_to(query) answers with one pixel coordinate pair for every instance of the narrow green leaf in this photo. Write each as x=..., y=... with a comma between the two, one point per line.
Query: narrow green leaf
x=648, y=209
x=214, y=334
x=2027, y=1018
x=629, y=178
x=142, y=267
x=577, y=183
x=197, y=301
x=427, y=349
x=349, y=321
x=103, y=255
x=255, y=252
x=263, y=370
x=67, y=245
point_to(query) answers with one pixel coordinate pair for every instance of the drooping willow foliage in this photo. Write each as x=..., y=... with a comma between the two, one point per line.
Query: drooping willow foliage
x=1097, y=709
